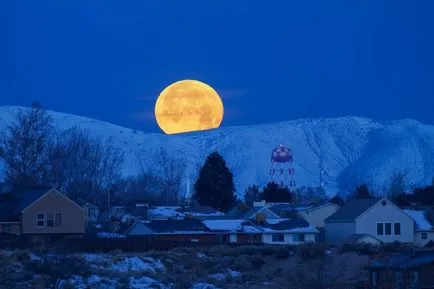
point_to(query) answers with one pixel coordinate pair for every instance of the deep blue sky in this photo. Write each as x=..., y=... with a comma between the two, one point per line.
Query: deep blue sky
x=270, y=60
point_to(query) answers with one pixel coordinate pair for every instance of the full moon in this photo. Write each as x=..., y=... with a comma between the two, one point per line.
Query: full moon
x=187, y=106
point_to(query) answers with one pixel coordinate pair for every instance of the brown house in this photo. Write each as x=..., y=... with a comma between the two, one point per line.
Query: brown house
x=41, y=212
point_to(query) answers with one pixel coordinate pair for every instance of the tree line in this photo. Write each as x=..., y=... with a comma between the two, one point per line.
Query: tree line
x=89, y=168
x=37, y=155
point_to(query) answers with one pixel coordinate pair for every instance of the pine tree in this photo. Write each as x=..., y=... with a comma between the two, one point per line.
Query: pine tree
x=272, y=192
x=215, y=185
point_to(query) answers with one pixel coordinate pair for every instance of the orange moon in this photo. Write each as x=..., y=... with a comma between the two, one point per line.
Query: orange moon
x=187, y=106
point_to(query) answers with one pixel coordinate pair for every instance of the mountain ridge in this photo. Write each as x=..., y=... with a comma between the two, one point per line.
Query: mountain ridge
x=348, y=149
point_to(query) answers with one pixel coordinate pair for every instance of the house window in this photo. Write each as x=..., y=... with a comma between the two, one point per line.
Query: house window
x=380, y=229
x=423, y=236
x=387, y=229
x=299, y=237
x=58, y=220
x=50, y=220
x=40, y=218
x=254, y=238
x=278, y=238
x=397, y=228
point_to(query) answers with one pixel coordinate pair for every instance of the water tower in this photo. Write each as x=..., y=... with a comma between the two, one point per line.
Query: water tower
x=281, y=171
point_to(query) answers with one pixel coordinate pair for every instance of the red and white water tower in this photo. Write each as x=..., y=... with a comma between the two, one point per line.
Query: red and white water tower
x=281, y=171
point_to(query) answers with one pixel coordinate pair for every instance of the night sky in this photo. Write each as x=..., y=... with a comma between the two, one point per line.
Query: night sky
x=269, y=60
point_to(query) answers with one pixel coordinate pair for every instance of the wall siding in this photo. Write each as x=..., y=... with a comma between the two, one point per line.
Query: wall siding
x=288, y=239
x=337, y=232
x=367, y=223
x=422, y=242
x=317, y=216
x=73, y=217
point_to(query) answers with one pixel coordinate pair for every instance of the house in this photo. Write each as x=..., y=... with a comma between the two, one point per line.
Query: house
x=240, y=231
x=201, y=213
x=411, y=269
x=287, y=231
x=313, y=213
x=42, y=213
x=424, y=229
x=92, y=210
x=379, y=218
x=269, y=231
x=165, y=213
x=188, y=230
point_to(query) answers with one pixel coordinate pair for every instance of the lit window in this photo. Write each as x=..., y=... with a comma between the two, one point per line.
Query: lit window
x=380, y=229
x=50, y=220
x=397, y=228
x=40, y=217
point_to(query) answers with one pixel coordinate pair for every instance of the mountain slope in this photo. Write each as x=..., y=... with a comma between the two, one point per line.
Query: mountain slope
x=348, y=150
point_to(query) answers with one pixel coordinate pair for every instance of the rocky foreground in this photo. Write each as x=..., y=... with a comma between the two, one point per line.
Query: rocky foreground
x=208, y=268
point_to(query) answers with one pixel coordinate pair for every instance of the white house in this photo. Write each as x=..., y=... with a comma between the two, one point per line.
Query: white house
x=379, y=218
x=269, y=231
x=424, y=230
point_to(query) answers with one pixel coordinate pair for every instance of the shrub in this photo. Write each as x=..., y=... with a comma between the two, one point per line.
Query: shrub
x=268, y=250
x=312, y=251
x=20, y=256
x=242, y=263
x=249, y=250
x=346, y=247
x=257, y=261
x=282, y=253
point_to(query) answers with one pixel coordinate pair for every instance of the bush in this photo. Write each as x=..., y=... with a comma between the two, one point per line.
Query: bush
x=366, y=249
x=346, y=247
x=243, y=263
x=257, y=261
x=312, y=251
x=249, y=250
x=282, y=253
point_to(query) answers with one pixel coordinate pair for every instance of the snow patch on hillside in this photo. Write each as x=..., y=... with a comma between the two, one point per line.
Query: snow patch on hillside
x=347, y=150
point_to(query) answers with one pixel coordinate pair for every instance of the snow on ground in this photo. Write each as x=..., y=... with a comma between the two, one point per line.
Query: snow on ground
x=419, y=218
x=203, y=285
x=124, y=263
x=110, y=235
x=138, y=264
x=223, y=276
x=144, y=282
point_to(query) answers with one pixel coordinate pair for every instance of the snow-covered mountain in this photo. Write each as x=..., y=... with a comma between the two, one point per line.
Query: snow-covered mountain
x=348, y=150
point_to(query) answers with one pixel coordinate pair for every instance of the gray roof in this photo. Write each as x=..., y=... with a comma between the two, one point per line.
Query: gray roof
x=284, y=225
x=173, y=226
x=351, y=210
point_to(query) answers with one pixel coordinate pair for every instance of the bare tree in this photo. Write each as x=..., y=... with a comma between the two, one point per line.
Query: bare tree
x=397, y=184
x=171, y=170
x=24, y=146
x=81, y=165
